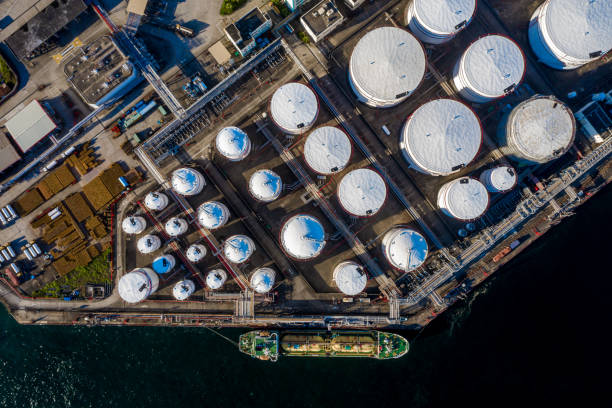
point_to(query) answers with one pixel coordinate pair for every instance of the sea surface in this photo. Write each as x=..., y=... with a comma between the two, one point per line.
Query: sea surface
x=537, y=333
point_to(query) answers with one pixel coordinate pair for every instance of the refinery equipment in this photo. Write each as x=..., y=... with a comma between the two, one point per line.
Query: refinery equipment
x=350, y=278
x=238, y=248
x=464, y=198
x=213, y=214
x=138, y=285
x=404, y=248
x=187, y=182
x=294, y=108
x=327, y=150
x=265, y=185
x=362, y=192
x=438, y=21
x=233, y=143
x=302, y=237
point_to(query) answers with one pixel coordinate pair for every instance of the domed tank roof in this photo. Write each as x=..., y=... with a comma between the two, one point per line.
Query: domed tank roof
x=183, y=289
x=404, y=248
x=327, y=150
x=238, y=248
x=233, y=143
x=134, y=225
x=302, y=237
x=216, y=278
x=265, y=185
x=464, y=198
x=164, y=264
x=213, y=214
x=444, y=17
x=262, y=280
x=362, y=192
x=148, y=243
x=156, y=201
x=499, y=179
x=137, y=285
x=186, y=181
x=176, y=226
x=196, y=252
x=294, y=107
x=350, y=278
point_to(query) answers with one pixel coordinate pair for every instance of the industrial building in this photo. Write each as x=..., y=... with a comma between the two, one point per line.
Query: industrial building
x=438, y=21
x=8, y=154
x=244, y=33
x=321, y=20
x=30, y=125
x=353, y=4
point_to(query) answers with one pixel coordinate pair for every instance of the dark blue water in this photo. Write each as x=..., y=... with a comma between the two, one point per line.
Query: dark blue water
x=535, y=334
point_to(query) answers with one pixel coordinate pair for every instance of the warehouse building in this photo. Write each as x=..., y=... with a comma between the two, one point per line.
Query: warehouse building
x=30, y=126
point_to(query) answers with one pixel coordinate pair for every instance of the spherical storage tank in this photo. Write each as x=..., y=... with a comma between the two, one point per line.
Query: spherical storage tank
x=233, y=143
x=350, y=278
x=262, y=280
x=213, y=214
x=176, y=226
x=490, y=68
x=464, y=198
x=216, y=278
x=499, y=179
x=149, y=243
x=538, y=130
x=294, y=108
x=238, y=248
x=183, y=289
x=386, y=66
x=327, y=150
x=404, y=248
x=441, y=137
x=164, y=264
x=437, y=21
x=302, y=237
x=265, y=185
x=362, y=192
x=187, y=181
x=156, y=201
x=137, y=285
x=196, y=252
x=133, y=225
x=566, y=34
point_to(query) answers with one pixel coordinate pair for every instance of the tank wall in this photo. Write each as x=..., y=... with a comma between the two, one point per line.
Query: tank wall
x=421, y=32
x=463, y=88
x=374, y=103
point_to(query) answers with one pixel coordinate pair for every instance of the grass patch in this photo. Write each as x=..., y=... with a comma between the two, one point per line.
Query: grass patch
x=229, y=6
x=96, y=272
x=6, y=73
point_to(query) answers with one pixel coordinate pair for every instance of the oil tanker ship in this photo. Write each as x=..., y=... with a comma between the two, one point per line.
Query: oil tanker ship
x=268, y=345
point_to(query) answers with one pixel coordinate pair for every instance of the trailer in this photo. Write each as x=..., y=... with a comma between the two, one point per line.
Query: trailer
x=11, y=210
x=36, y=248
x=183, y=31
x=10, y=251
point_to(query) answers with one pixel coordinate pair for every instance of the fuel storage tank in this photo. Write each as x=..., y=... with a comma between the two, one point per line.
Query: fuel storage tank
x=294, y=108
x=327, y=150
x=233, y=143
x=438, y=21
x=350, y=278
x=464, y=198
x=404, y=248
x=134, y=225
x=362, y=192
x=213, y=214
x=137, y=285
x=302, y=237
x=265, y=185
x=187, y=182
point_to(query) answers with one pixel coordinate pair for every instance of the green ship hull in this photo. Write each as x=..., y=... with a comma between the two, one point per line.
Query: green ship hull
x=269, y=345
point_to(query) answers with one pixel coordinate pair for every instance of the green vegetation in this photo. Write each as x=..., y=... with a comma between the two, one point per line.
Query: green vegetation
x=96, y=272
x=282, y=7
x=6, y=73
x=229, y=6
x=304, y=37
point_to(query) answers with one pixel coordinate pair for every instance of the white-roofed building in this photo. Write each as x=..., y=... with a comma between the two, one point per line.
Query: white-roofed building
x=404, y=248
x=176, y=226
x=233, y=143
x=238, y=248
x=265, y=185
x=441, y=137
x=195, y=253
x=164, y=264
x=262, y=280
x=137, y=285
x=294, y=108
x=321, y=20
x=148, y=243
x=438, y=21
x=187, y=182
x=216, y=278
x=213, y=214
x=156, y=201
x=464, y=198
x=30, y=125
x=302, y=237
x=362, y=192
x=327, y=150
x=499, y=179
x=133, y=225
x=350, y=278
x=183, y=289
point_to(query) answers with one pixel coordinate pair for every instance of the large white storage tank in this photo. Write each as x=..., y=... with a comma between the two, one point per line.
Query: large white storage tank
x=362, y=192
x=566, y=34
x=499, y=179
x=149, y=243
x=238, y=248
x=213, y=214
x=163, y=264
x=176, y=226
x=302, y=237
x=492, y=67
x=538, y=130
x=386, y=66
x=404, y=248
x=464, y=198
x=441, y=137
x=294, y=108
x=156, y=201
x=265, y=185
x=216, y=278
x=196, y=252
x=137, y=285
x=183, y=289
x=233, y=143
x=350, y=278
x=187, y=181
x=262, y=280
x=327, y=150
x=438, y=21
x=134, y=225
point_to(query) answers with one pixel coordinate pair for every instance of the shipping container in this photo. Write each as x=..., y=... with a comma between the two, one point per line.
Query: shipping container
x=15, y=268
x=11, y=210
x=10, y=250
x=36, y=248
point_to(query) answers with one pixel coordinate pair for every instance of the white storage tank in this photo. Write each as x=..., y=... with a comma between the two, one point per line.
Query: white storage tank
x=183, y=289
x=294, y=108
x=176, y=226
x=362, y=192
x=196, y=252
x=492, y=67
x=404, y=248
x=137, y=285
x=134, y=225
x=262, y=280
x=265, y=185
x=327, y=150
x=438, y=21
x=464, y=198
x=233, y=143
x=386, y=66
x=187, y=182
x=238, y=248
x=499, y=179
x=566, y=34
x=164, y=264
x=216, y=278
x=350, y=278
x=149, y=243
x=213, y=214
x=538, y=130
x=302, y=237
x=156, y=201
x=441, y=137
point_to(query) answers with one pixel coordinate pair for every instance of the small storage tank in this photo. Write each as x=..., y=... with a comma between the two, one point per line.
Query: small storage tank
x=492, y=67
x=183, y=289
x=233, y=143
x=404, y=248
x=538, y=130
x=302, y=237
x=176, y=226
x=499, y=179
x=566, y=34
x=464, y=198
x=294, y=108
x=262, y=280
x=438, y=21
x=350, y=278
x=137, y=285
x=196, y=252
x=441, y=137
x=216, y=278
x=238, y=248
x=362, y=192
x=327, y=150
x=134, y=225
x=213, y=214
x=265, y=185
x=164, y=264
x=149, y=243
x=156, y=201
x=187, y=182
x=386, y=66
